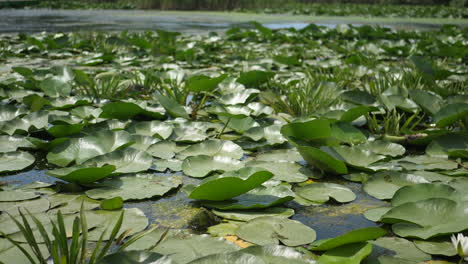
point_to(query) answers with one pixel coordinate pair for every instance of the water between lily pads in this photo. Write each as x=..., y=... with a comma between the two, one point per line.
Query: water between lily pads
x=38, y=20
x=176, y=210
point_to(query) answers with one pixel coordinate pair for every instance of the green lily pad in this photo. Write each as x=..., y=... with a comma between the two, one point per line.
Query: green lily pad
x=240, y=125
x=12, y=143
x=428, y=218
x=158, y=129
x=398, y=248
x=358, y=235
x=21, y=125
x=172, y=106
x=430, y=102
x=55, y=87
x=240, y=97
x=254, y=78
x=322, y=160
x=16, y=195
x=82, y=173
x=249, y=215
x=202, y=165
x=163, y=149
x=383, y=148
x=272, y=230
x=283, y=170
x=127, y=160
x=450, y=114
x=375, y=214
x=423, y=191
x=135, y=257
x=436, y=247
x=347, y=133
x=291, y=155
x=10, y=112
x=112, y=203
x=134, y=187
x=322, y=192
x=357, y=157
x=260, y=197
x=65, y=130
x=172, y=164
x=81, y=149
x=230, y=184
x=346, y=254
x=15, y=161
x=383, y=185
x=213, y=147
x=127, y=110
x=426, y=163
x=201, y=83
x=356, y=112
x=310, y=131
x=34, y=206
x=454, y=145
x=272, y=254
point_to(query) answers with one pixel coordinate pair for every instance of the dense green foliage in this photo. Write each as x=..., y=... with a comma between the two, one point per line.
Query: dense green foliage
x=249, y=129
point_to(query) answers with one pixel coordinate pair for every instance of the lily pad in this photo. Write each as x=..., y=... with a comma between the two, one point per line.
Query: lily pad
x=16, y=195
x=357, y=157
x=213, y=147
x=82, y=174
x=127, y=110
x=436, y=247
x=346, y=254
x=450, y=114
x=158, y=129
x=283, y=170
x=423, y=191
x=358, y=235
x=272, y=230
x=383, y=148
x=15, y=161
x=383, y=185
x=135, y=187
x=127, y=160
x=12, y=143
x=399, y=248
x=54, y=87
x=135, y=257
x=230, y=184
x=454, y=145
x=163, y=149
x=202, y=165
x=322, y=160
x=322, y=192
x=249, y=215
x=172, y=106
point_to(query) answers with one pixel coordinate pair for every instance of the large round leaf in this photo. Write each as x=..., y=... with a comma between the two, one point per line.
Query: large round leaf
x=134, y=187
x=428, y=218
x=272, y=230
x=12, y=143
x=423, y=191
x=357, y=157
x=284, y=170
x=128, y=110
x=383, y=185
x=450, y=114
x=383, y=148
x=436, y=247
x=163, y=149
x=15, y=161
x=239, y=215
x=79, y=150
x=158, y=129
x=311, y=131
x=322, y=192
x=82, y=173
x=239, y=97
x=55, y=87
x=398, y=248
x=358, y=235
x=135, y=257
x=172, y=106
x=453, y=145
x=322, y=160
x=16, y=195
x=230, y=184
x=260, y=197
x=347, y=254
x=213, y=147
x=202, y=165
x=127, y=160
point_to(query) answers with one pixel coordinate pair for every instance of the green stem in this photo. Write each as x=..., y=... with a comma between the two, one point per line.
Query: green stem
x=224, y=128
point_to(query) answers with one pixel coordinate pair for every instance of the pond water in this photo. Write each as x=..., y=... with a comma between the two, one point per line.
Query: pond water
x=37, y=20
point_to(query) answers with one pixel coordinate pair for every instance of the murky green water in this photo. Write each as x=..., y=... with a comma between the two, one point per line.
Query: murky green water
x=37, y=20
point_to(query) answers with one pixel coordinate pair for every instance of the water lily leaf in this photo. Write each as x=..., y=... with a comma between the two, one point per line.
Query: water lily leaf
x=82, y=173
x=163, y=165
x=398, y=248
x=172, y=106
x=202, y=165
x=12, y=143
x=230, y=184
x=71, y=203
x=347, y=133
x=322, y=160
x=383, y=148
x=271, y=230
x=16, y=195
x=310, y=131
x=127, y=160
x=201, y=83
x=10, y=112
x=65, y=130
x=163, y=149
x=322, y=192
x=134, y=187
x=283, y=170
x=428, y=218
x=189, y=134
x=213, y=147
x=157, y=129
x=450, y=114
x=15, y=161
x=259, y=109
x=346, y=254
x=375, y=214
x=183, y=247
x=249, y=215
x=358, y=97
x=112, y=204
x=240, y=97
x=358, y=235
x=383, y=185
x=357, y=157
x=423, y=191
x=81, y=149
x=254, y=78
x=142, y=142
x=260, y=197
x=134, y=221
x=12, y=254
x=426, y=163
x=291, y=155
x=398, y=101
x=272, y=254
x=127, y=110
x=436, y=247
x=33, y=121
x=135, y=257
x=454, y=145
x=33, y=206
x=430, y=102
x=55, y=87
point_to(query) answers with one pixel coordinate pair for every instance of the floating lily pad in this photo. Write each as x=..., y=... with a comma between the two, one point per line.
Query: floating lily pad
x=202, y=165
x=135, y=187
x=454, y=145
x=436, y=247
x=33, y=206
x=230, y=184
x=357, y=157
x=135, y=257
x=271, y=230
x=127, y=110
x=12, y=143
x=16, y=195
x=358, y=235
x=172, y=107
x=240, y=97
x=249, y=215
x=280, y=154
x=158, y=129
x=322, y=192
x=450, y=114
x=383, y=148
x=383, y=185
x=399, y=248
x=163, y=149
x=55, y=87
x=82, y=173
x=15, y=161
x=323, y=160
x=423, y=191
x=284, y=170
x=346, y=254
x=213, y=147
x=127, y=160
x=172, y=164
